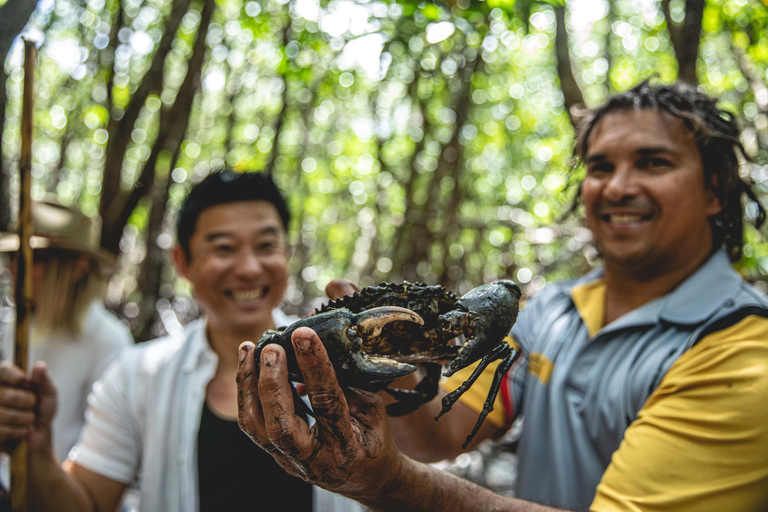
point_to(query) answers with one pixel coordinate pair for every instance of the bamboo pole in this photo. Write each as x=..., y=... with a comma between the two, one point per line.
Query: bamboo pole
x=23, y=285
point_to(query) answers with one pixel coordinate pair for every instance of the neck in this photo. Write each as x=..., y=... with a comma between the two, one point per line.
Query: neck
x=225, y=342
x=628, y=288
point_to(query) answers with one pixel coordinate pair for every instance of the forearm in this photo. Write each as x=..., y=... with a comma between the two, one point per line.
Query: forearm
x=422, y=438
x=419, y=487
x=51, y=488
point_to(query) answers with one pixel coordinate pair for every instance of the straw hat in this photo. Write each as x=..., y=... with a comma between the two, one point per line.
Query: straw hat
x=63, y=227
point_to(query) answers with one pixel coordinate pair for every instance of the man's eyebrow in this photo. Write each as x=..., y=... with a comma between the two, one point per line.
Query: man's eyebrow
x=646, y=151
x=215, y=235
x=655, y=150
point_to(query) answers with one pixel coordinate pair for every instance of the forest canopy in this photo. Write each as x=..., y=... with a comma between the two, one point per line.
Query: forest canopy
x=416, y=140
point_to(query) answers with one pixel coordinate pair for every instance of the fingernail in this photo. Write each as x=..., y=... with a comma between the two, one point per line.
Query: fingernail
x=241, y=353
x=302, y=344
x=268, y=357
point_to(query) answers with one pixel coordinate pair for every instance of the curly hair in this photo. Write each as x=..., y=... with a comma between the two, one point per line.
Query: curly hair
x=716, y=134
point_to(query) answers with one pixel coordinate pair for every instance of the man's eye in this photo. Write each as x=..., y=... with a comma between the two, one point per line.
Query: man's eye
x=599, y=168
x=653, y=163
x=223, y=249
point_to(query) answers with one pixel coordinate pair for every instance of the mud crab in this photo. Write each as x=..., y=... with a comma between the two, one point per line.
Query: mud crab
x=384, y=332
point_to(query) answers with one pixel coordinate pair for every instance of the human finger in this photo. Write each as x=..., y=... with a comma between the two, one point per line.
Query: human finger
x=41, y=380
x=338, y=288
x=17, y=398
x=46, y=393
x=12, y=375
x=286, y=431
x=15, y=387
x=12, y=417
x=249, y=414
x=323, y=388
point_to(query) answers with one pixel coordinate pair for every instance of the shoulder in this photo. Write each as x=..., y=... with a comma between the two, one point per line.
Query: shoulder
x=550, y=303
x=152, y=357
x=104, y=327
x=560, y=291
x=728, y=366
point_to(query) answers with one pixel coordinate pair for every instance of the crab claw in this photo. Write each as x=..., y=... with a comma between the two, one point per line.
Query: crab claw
x=372, y=321
x=485, y=314
x=369, y=324
x=343, y=334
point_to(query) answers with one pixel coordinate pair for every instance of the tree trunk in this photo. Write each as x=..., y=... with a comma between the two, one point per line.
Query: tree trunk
x=403, y=265
x=14, y=15
x=120, y=128
x=572, y=96
x=451, y=228
x=278, y=124
x=685, y=39
x=156, y=259
x=173, y=123
x=5, y=171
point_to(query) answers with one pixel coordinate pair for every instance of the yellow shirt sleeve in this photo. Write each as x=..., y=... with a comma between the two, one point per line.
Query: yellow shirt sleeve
x=700, y=443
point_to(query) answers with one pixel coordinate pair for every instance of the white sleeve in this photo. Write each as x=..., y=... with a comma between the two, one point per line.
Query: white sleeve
x=110, y=443
x=106, y=338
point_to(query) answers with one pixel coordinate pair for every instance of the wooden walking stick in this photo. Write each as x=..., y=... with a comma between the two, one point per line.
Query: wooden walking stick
x=23, y=285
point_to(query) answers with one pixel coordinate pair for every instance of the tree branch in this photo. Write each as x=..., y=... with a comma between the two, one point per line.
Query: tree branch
x=572, y=95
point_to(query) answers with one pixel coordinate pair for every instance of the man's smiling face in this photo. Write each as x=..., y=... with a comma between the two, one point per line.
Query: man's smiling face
x=238, y=265
x=646, y=200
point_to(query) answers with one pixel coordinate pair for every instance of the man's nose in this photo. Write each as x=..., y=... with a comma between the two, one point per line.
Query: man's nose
x=622, y=184
x=248, y=264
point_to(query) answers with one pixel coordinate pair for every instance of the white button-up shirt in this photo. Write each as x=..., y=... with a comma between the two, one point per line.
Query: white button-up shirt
x=144, y=415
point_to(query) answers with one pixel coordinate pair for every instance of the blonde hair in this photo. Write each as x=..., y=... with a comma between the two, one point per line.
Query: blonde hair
x=64, y=296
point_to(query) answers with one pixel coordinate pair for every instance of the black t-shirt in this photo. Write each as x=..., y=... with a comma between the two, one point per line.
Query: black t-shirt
x=235, y=474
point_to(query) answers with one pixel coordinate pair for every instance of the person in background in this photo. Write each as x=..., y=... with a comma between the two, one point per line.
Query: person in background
x=643, y=384
x=163, y=417
x=71, y=330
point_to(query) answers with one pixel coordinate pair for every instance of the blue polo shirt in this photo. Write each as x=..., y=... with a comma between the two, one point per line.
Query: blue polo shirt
x=684, y=378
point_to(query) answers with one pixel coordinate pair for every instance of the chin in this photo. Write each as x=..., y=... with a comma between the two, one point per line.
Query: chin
x=632, y=259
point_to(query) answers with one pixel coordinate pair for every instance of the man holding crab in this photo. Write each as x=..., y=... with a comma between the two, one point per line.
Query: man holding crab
x=643, y=384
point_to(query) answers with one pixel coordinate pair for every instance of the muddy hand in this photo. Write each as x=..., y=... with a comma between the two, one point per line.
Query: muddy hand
x=349, y=447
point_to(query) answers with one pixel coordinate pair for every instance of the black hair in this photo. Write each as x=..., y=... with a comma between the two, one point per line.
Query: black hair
x=716, y=134
x=226, y=186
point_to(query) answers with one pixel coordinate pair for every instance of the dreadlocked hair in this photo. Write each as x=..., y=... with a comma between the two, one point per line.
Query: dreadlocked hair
x=717, y=137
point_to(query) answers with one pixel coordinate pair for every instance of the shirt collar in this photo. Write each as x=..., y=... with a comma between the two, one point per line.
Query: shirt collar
x=199, y=351
x=700, y=296
x=692, y=302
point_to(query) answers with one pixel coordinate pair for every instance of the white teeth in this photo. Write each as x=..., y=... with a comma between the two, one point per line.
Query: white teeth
x=625, y=219
x=247, y=294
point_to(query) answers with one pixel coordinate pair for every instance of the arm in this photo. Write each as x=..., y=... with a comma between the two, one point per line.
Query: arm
x=417, y=434
x=27, y=407
x=350, y=449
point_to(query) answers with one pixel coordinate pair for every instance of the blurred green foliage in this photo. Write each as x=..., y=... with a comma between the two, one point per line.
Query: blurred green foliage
x=416, y=140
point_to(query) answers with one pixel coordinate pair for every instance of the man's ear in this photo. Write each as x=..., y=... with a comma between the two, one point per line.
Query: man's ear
x=714, y=205
x=180, y=261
